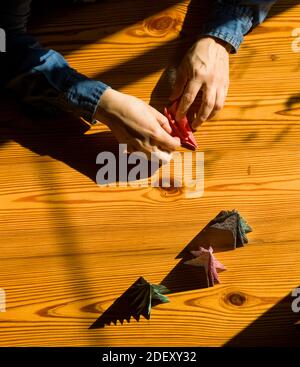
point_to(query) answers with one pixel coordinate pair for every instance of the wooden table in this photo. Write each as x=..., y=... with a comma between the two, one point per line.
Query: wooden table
x=69, y=248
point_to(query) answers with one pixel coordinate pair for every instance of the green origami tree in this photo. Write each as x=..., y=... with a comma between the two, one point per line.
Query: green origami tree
x=136, y=301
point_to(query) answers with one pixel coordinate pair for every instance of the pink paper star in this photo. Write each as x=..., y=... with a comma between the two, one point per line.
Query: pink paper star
x=205, y=258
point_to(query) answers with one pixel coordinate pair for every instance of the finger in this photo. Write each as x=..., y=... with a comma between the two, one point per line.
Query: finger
x=130, y=148
x=179, y=86
x=152, y=152
x=141, y=146
x=124, y=142
x=124, y=139
x=220, y=100
x=162, y=120
x=190, y=93
x=207, y=105
x=120, y=134
x=157, y=155
x=161, y=155
x=166, y=142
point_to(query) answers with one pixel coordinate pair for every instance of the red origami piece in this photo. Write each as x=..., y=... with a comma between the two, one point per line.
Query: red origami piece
x=181, y=129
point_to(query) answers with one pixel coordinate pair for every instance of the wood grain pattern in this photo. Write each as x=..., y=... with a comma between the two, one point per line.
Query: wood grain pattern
x=69, y=248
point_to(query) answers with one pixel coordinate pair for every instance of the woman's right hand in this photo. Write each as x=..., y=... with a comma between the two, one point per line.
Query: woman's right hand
x=137, y=124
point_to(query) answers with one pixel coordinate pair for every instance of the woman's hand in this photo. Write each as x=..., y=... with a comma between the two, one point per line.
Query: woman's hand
x=205, y=67
x=135, y=123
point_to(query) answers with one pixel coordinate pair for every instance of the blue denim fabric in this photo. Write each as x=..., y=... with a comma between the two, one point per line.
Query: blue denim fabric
x=230, y=20
x=43, y=79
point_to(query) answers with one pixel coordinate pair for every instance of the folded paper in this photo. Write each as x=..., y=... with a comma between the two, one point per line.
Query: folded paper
x=231, y=220
x=181, y=129
x=141, y=296
x=135, y=302
x=204, y=257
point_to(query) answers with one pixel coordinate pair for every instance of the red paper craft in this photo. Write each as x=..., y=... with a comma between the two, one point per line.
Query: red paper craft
x=182, y=128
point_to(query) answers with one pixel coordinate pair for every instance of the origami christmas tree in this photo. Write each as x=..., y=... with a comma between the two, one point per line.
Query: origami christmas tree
x=231, y=220
x=135, y=302
x=205, y=258
x=228, y=228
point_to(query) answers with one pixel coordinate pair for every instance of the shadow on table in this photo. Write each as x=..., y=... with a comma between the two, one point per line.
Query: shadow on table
x=134, y=302
x=63, y=138
x=185, y=277
x=276, y=327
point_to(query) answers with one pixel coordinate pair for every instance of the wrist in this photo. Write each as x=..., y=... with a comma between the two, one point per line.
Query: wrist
x=107, y=100
x=107, y=104
x=219, y=41
x=223, y=43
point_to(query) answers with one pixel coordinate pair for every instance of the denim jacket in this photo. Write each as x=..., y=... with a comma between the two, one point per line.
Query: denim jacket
x=43, y=79
x=230, y=20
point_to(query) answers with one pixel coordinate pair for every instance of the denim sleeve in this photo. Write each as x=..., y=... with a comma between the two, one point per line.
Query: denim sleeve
x=230, y=20
x=42, y=78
